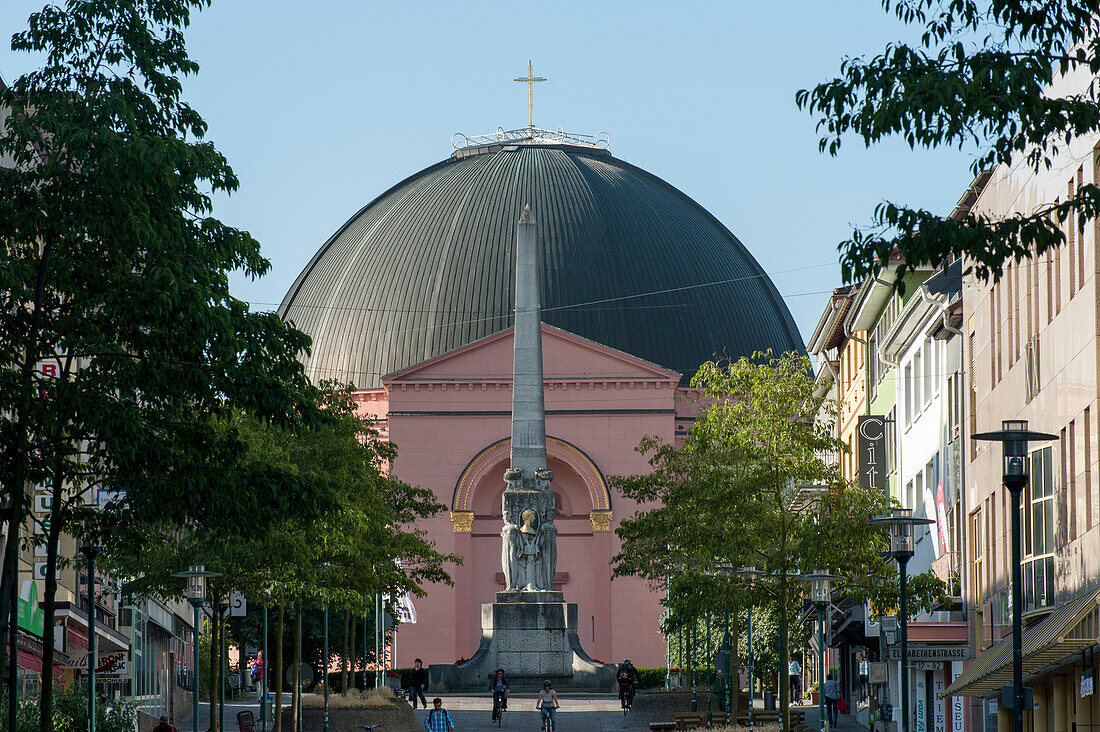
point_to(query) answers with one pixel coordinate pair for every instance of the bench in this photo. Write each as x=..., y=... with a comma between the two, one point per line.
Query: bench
x=770, y=716
x=690, y=721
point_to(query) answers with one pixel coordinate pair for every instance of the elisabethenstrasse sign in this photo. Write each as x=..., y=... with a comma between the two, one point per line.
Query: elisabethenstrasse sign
x=932, y=653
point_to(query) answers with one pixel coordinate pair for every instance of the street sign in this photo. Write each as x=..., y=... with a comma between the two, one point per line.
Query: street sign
x=40, y=571
x=305, y=674
x=876, y=672
x=931, y=653
x=238, y=606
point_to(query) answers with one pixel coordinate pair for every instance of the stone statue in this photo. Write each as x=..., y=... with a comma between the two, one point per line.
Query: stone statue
x=529, y=551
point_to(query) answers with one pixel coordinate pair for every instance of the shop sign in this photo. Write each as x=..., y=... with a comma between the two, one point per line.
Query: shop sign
x=114, y=663
x=871, y=449
x=1086, y=682
x=31, y=616
x=931, y=653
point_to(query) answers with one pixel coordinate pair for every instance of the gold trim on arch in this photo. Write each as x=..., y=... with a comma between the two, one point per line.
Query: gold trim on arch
x=558, y=449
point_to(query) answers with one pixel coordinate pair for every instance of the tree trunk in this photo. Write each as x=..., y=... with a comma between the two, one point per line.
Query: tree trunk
x=18, y=453
x=344, y=655
x=49, y=605
x=784, y=686
x=735, y=669
x=278, y=669
x=221, y=667
x=353, y=637
x=296, y=704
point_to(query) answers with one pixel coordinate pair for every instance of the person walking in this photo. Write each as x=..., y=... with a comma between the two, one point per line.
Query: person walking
x=164, y=726
x=864, y=669
x=418, y=681
x=257, y=672
x=439, y=719
x=832, y=694
x=794, y=673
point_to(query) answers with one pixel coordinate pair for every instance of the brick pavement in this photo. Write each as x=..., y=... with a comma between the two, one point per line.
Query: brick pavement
x=578, y=713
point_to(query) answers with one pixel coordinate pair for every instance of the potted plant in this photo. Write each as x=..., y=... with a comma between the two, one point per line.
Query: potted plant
x=815, y=694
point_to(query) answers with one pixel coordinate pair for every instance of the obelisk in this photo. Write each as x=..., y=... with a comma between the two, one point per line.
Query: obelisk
x=529, y=538
x=530, y=630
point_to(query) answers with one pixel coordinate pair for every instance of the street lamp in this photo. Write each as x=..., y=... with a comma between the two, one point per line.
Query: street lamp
x=325, y=677
x=196, y=595
x=90, y=553
x=901, y=522
x=1014, y=436
x=820, y=595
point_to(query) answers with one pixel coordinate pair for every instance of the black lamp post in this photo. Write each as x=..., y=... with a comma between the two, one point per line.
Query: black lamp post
x=325, y=677
x=1014, y=436
x=263, y=667
x=901, y=522
x=196, y=595
x=90, y=553
x=751, y=574
x=820, y=594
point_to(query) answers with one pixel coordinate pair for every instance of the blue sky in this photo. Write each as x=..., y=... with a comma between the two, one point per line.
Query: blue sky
x=321, y=106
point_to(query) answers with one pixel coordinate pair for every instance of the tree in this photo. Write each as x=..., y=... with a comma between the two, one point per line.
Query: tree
x=989, y=74
x=750, y=486
x=120, y=342
x=364, y=539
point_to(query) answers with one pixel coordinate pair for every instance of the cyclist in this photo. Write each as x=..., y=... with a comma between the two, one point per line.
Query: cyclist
x=500, y=688
x=628, y=678
x=547, y=703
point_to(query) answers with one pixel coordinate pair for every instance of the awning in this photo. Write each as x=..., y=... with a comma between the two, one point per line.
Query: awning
x=1058, y=637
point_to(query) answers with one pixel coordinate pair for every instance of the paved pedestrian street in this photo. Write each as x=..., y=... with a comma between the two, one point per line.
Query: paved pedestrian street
x=578, y=712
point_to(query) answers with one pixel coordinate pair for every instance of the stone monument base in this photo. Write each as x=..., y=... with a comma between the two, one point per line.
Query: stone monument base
x=533, y=637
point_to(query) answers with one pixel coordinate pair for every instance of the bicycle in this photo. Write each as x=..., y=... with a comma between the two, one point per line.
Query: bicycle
x=547, y=723
x=626, y=695
x=500, y=704
x=369, y=727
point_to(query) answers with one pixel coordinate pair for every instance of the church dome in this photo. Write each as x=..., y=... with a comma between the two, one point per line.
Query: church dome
x=626, y=260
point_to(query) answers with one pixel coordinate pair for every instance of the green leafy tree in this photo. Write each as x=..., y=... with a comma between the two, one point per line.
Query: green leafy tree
x=748, y=487
x=981, y=75
x=364, y=539
x=120, y=342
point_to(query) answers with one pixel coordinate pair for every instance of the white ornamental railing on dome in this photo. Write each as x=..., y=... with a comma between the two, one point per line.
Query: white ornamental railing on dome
x=537, y=135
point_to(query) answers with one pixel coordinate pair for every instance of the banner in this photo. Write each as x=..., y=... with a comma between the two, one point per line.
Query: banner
x=871, y=450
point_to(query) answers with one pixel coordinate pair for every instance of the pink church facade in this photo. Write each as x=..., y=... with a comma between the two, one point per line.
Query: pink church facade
x=450, y=418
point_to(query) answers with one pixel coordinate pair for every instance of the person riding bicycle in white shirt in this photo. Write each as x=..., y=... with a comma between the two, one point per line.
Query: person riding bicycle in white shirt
x=547, y=703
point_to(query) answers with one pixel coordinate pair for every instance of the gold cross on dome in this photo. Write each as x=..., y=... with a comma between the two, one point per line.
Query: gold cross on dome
x=530, y=80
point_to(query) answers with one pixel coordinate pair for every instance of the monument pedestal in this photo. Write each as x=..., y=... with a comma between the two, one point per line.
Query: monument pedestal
x=532, y=635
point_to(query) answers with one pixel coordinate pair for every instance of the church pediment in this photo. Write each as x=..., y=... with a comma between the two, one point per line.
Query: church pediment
x=566, y=358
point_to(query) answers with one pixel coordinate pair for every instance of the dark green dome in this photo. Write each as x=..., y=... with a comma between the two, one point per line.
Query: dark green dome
x=627, y=261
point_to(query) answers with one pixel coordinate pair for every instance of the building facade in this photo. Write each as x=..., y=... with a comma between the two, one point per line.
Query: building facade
x=1032, y=354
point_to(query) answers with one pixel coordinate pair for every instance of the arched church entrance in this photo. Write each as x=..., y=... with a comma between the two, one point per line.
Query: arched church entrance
x=584, y=549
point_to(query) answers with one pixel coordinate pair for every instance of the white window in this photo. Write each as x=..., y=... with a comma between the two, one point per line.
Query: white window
x=930, y=370
x=908, y=386
x=918, y=364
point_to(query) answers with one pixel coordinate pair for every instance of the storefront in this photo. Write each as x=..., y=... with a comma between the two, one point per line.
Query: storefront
x=1058, y=664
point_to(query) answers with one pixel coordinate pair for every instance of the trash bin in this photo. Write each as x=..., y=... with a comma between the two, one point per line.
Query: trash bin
x=769, y=700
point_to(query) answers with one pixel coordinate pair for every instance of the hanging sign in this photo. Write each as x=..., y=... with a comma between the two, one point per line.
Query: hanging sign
x=871, y=449
x=931, y=653
x=1086, y=682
